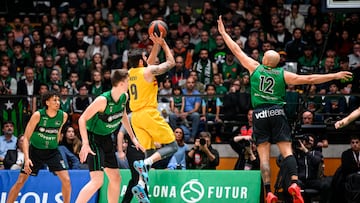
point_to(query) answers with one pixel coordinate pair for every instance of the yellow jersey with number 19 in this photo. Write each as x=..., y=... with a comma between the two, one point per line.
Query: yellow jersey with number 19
x=142, y=93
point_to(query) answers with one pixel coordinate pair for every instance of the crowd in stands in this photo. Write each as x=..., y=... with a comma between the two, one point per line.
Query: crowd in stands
x=74, y=46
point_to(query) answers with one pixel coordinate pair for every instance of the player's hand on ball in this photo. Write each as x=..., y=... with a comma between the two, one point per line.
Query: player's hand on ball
x=157, y=39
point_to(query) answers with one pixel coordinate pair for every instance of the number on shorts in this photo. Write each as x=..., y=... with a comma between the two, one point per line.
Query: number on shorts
x=133, y=90
x=267, y=84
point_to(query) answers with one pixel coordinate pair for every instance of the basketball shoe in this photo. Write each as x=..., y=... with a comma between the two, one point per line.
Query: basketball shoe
x=295, y=192
x=142, y=170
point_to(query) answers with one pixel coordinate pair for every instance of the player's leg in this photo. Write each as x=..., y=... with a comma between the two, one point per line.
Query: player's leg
x=114, y=184
x=65, y=185
x=96, y=181
x=264, y=155
x=132, y=155
x=290, y=165
x=14, y=191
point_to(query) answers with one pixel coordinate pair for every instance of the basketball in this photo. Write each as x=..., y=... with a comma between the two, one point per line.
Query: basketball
x=158, y=26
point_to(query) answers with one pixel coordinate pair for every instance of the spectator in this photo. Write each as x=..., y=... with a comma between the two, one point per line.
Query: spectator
x=335, y=103
x=98, y=47
x=206, y=43
x=80, y=42
x=354, y=56
x=80, y=103
x=350, y=164
x=218, y=54
x=69, y=148
x=55, y=79
x=343, y=44
x=235, y=103
x=84, y=66
x=308, y=62
x=350, y=158
x=313, y=103
x=295, y=19
x=14, y=158
x=310, y=166
x=191, y=108
x=90, y=33
x=199, y=86
x=74, y=20
x=7, y=140
x=292, y=102
x=37, y=104
x=185, y=52
x=107, y=38
x=178, y=160
x=67, y=38
x=97, y=87
x=204, y=67
x=117, y=49
x=179, y=73
x=295, y=47
x=219, y=85
x=72, y=83
x=210, y=107
x=177, y=104
x=165, y=90
x=202, y=156
x=9, y=83
x=230, y=68
x=50, y=47
x=65, y=100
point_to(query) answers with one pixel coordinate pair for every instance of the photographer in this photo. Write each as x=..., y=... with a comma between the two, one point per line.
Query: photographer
x=310, y=163
x=319, y=131
x=244, y=146
x=202, y=155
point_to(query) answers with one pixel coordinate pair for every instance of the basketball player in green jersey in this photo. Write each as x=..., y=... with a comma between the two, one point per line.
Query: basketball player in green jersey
x=268, y=83
x=97, y=124
x=42, y=135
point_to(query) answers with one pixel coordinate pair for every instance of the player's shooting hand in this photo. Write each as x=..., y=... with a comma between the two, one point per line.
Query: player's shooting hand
x=85, y=150
x=221, y=27
x=27, y=166
x=344, y=75
x=157, y=39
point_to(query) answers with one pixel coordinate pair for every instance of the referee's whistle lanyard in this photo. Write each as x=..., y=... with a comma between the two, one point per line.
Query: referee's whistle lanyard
x=357, y=158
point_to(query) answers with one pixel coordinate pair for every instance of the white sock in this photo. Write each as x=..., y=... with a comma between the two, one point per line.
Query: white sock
x=148, y=161
x=141, y=182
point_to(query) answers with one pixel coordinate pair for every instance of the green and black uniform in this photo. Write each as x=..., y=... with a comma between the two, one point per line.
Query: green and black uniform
x=100, y=128
x=44, y=143
x=268, y=98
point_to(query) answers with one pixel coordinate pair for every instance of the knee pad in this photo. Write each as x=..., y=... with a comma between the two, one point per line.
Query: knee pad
x=168, y=150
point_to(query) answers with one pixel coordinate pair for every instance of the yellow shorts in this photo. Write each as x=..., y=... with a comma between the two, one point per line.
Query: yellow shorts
x=150, y=127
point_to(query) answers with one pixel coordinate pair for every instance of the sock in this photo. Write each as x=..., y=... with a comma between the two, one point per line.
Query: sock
x=141, y=182
x=148, y=161
x=267, y=188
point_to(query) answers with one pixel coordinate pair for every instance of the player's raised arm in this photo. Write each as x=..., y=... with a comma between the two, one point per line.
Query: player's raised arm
x=295, y=79
x=170, y=61
x=249, y=63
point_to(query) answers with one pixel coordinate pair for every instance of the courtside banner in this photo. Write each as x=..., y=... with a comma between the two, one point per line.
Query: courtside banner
x=44, y=188
x=197, y=186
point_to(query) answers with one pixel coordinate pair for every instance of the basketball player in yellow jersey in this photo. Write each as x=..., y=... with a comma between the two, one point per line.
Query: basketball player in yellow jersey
x=146, y=121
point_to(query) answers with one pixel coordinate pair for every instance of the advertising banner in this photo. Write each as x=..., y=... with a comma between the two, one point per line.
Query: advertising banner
x=197, y=186
x=44, y=188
